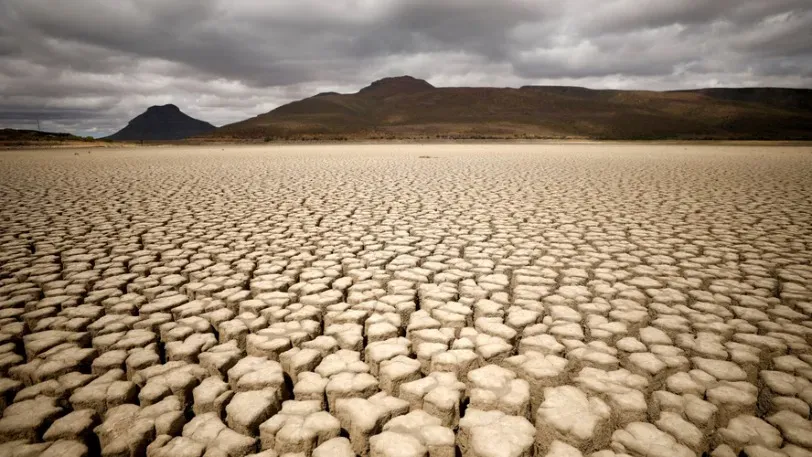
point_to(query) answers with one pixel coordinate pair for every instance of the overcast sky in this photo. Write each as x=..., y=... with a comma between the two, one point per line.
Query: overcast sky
x=88, y=66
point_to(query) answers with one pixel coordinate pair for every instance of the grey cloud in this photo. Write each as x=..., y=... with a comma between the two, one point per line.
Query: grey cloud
x=789, y=34
x=90, y=65
x=623, y=15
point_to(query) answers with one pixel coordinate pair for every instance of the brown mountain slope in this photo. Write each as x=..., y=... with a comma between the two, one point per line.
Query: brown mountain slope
x=406, y=107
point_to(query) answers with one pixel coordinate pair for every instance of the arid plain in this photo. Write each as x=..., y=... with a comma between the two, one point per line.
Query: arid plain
x=406, y=300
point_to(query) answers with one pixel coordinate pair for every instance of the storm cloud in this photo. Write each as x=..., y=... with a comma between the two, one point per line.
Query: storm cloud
x=88, y=66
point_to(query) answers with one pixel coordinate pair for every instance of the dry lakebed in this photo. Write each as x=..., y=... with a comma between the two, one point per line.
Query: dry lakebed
x=406, y=300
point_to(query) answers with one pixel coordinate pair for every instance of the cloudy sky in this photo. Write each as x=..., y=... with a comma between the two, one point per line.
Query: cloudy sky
x=88, y=66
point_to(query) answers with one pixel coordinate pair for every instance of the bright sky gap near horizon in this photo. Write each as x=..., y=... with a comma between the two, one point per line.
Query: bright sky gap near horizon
x=88, y=66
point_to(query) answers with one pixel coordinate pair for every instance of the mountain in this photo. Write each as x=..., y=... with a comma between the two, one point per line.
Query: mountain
x=165, y=122
x=388, y=87
x=406, y=107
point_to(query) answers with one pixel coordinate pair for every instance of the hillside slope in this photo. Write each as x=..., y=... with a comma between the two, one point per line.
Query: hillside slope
x=405, y=107
x=162, y=123
x=11, y=138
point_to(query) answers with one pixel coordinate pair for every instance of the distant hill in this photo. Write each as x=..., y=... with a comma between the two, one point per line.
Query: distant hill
x=16, y=138
x=406, y=107
x=161, y=123
x=35, y=135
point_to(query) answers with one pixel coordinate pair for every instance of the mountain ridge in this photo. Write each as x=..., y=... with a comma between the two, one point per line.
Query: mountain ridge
x=406, y=107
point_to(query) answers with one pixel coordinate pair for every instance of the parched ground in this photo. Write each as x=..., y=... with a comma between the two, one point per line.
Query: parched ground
x=406, y=300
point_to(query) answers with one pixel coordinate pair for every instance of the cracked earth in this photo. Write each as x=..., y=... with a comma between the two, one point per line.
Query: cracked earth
x=406, y=301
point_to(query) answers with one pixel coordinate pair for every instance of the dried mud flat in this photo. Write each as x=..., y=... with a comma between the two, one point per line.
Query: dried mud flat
x=406, y=300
